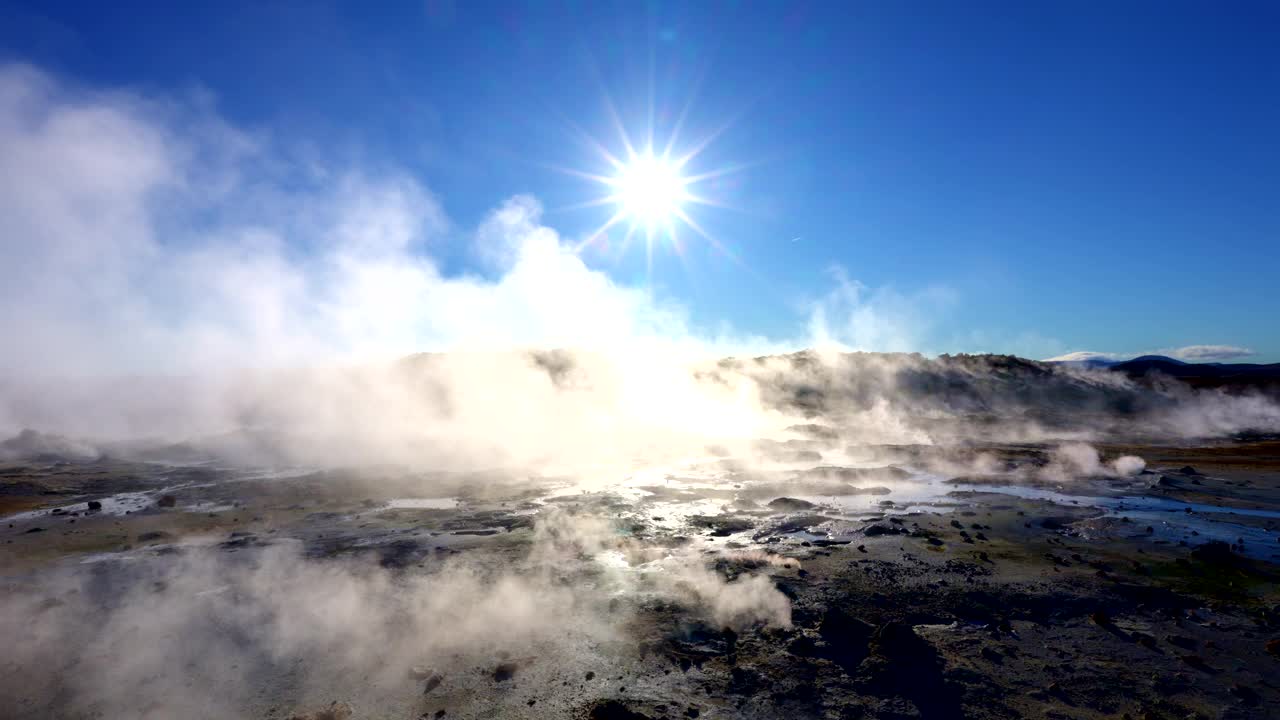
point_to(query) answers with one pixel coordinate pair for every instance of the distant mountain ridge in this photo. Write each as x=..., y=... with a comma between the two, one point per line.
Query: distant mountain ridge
x=1172, y=367
x=1158, y=358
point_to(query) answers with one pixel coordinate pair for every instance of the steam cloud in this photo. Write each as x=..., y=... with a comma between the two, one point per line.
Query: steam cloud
x=171, y=277
x=209, y=634
x=135, y=246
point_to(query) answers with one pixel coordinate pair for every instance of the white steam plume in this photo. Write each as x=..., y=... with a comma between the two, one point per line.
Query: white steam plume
x=210, y=633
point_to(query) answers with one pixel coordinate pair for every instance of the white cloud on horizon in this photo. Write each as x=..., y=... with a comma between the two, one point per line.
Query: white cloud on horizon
x=1189, y=353
x=1210, y=353
x=1087, y=355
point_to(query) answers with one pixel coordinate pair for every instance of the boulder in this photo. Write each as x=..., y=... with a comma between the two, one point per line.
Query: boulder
x=788, y=504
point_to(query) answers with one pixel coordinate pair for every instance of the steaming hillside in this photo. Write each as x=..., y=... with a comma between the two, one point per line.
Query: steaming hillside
x=983, y=394
x=603, y=537
x=538, y=408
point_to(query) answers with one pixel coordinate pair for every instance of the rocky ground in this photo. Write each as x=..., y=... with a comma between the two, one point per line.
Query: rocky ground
x=901, y=581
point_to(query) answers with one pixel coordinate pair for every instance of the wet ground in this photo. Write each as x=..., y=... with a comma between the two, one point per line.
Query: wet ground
x=810, y=579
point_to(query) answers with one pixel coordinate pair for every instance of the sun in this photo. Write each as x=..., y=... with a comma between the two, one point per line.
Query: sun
x=650, y=190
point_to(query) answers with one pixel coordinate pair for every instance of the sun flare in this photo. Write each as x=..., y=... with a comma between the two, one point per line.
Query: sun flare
x=650, y=190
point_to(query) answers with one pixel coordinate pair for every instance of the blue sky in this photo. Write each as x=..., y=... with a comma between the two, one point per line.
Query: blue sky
x=1013, y=177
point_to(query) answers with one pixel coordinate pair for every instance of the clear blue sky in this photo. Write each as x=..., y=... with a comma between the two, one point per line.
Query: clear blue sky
x=1076, y=176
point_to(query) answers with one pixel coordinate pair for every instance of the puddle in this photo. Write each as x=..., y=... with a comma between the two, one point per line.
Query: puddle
x=114, y=505
x=108, y=557
x=1173, y=521
x=423, y=504
x=675, y=515
x=1140, y=504
x=207, y=507
x=275, y=474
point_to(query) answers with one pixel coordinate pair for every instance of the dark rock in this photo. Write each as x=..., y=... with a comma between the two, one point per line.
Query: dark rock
x=504, y=672
x=874, y=530
x=1245, y=693
x=721, y=526
x=803, y=646
x=614, y=710
x=902, y=663
x=335, y=711
x=745, y=681
x=400, y=554
x=1143, y=639
x=1214, y=552
x=590, y=675
x=889, y=472
x=846, y=637
x=1188, y=470
x=788, y=504
x=871, y=490
x=94, y=505
x=167, y=501
x=236, y=542
x=1194, y=661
